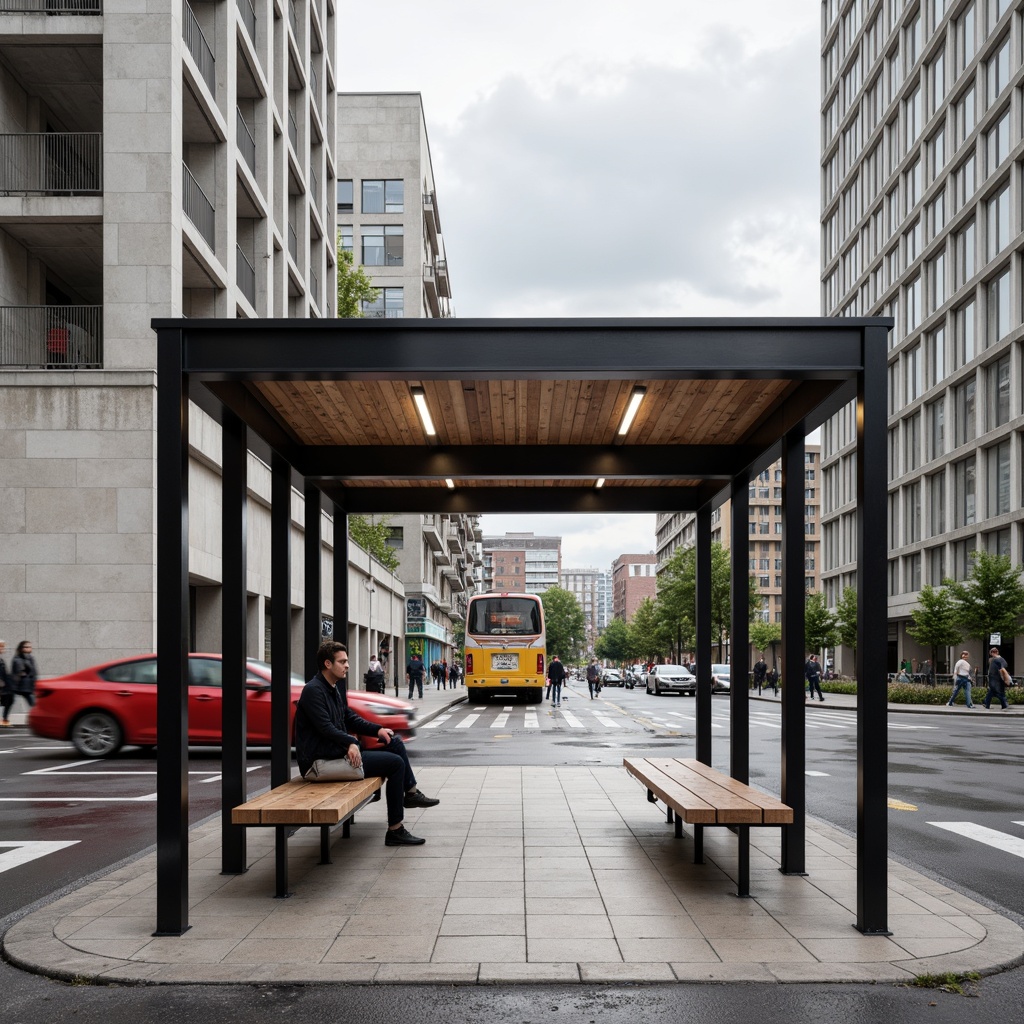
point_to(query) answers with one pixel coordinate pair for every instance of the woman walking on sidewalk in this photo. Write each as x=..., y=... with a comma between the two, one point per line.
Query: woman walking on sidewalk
x=23, y=676
x=962, y=676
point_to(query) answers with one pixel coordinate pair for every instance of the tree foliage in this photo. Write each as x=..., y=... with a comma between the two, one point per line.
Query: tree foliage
x=646, y=630
x=935, y=620
x=766, y=634
x=354, y=287
x=991, y=599
x=846, y=615
x=820, y=624
x=371, y=534
x=615, y=644
x=565, y=624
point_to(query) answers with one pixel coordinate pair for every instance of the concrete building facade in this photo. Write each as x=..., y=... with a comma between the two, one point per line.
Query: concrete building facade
x=634, y=579
x=159, y=161
x=922, y=194
x=591, y=588
x=522, y=562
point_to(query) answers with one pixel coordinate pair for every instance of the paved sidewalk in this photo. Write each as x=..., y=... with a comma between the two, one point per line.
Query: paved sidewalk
x=849, y=700
x=529, y=874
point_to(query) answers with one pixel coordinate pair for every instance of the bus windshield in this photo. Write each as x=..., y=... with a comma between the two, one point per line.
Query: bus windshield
x=504, y=616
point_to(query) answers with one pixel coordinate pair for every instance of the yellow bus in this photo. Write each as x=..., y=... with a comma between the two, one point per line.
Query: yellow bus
x=506, y=654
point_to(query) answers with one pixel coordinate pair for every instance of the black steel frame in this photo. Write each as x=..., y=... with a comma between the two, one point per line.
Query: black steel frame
x=829, y=363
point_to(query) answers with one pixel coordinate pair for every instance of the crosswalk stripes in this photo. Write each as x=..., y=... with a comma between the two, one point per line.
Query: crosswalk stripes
x=981, y=834
x=467, y=722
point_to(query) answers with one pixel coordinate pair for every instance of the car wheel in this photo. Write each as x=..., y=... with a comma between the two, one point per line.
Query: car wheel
x=97, y=734
x=657, y=692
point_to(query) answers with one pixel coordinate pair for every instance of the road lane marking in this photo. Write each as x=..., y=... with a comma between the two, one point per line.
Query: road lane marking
x=467, y=722
x=500, y=722
x=64, y=767
x=531, y=720
x=21, y=852
x=823, y=775
x=571, y=719
x=981, y=834
x=899, y=805
x=606, y=722
x=77, y=799
x=218, y=776
x=435, y=722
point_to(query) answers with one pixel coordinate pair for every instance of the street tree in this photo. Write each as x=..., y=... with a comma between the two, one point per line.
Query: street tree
x=820, y=625
x=846, y=615
x=766, y=634
x=935, y=620
x=615, y=643
x=565, y=624
x=371, y=533
x=991, y=599
x=354, y=287
x=646, y=634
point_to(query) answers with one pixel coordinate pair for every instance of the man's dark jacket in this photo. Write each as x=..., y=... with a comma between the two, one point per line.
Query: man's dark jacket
x=325, y=726
x=556, y=672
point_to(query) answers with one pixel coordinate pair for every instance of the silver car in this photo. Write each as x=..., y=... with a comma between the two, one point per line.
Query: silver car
x=720, y=678
x=670, y=679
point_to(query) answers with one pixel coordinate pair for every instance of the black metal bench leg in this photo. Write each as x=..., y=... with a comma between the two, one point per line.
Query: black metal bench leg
x=668, y=815
x=325, y=844
x=346, y=827
x=651, y=798
x=281, y=862
x=679, y=827
x=698, y=844
x=743, y=872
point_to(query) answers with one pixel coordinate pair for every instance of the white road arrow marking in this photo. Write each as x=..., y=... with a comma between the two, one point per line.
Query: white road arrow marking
x=981, y=834
x=23, y=852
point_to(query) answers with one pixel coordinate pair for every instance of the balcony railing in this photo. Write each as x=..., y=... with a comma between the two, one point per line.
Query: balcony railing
x=51, y=7
x=245, y=276
x=293, y=244
x=199, y=48
x=246, y=143
x=314, y=288
x=65, y=337
x=196, y=206
x=293, y=132
x=48, y=162
x=248, y=13
x=314, y=86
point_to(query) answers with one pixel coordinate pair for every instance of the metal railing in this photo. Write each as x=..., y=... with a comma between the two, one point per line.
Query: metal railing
x=314, y=287
x=196, y=206
x=293, y=132
x=199, y=48
x=51, y=7
x=246, y=143
x=51, y=336
x=293, y=244
x=245, y=276
x=66, y=162
x=248, y=13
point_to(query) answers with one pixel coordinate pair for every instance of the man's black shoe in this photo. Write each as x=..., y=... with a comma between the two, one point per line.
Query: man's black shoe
x=401, y=837
x=418, y=799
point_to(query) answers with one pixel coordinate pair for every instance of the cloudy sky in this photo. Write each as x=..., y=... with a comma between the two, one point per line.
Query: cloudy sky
x=640, y=158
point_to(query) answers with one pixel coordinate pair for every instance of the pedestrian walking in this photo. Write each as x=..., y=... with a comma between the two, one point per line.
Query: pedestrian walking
x=962, y=679
x=414, y=675
x=593, y=678
x=6, y=692
x=455, y=674
x=998, y=679
x=760, y=674
x=443, y=674
x=812, y=673
x=556, y=676
x=23, y=674
x=373, y=678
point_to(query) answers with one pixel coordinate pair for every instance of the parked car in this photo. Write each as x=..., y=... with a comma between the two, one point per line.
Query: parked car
x=670, y=679
x=102, y=708
x=720, y=678
x=611, y=677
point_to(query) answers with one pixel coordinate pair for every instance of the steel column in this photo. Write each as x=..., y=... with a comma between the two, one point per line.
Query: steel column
x=872, y=699
x=312, y=618
x=234, y=501
x=703, y=630
x=341, y=575
x=172, y=603
x=739, y=637
x=280, y=641
x=793, y=614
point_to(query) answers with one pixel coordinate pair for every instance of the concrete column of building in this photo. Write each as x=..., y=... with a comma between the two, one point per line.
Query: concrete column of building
x=234, y=640
x=872, y=695
x=739, y=633
x=793, y=601
x=703, y=630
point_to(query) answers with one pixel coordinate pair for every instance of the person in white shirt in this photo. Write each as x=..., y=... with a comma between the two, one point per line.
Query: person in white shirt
x=962, y=679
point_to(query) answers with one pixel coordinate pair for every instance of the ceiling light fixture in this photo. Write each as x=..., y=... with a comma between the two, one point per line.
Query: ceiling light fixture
x=600, y=483
x=420, y=401
x=631, y=410
x=450, y=483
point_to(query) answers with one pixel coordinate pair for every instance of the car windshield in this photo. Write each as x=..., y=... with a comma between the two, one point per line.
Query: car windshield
x=672, y=670
x=719, y=670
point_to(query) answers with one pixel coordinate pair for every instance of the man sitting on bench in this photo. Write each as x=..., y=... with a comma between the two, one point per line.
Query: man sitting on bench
x=327, y=749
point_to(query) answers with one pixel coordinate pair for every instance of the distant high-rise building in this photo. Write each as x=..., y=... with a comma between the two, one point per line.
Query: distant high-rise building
x=922, y=201
x=522, y=562
x=590, y=588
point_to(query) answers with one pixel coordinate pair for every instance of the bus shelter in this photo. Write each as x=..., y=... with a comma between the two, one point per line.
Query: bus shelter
x=573, y=415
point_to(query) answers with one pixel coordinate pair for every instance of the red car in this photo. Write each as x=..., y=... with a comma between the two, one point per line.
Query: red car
x=102, y=708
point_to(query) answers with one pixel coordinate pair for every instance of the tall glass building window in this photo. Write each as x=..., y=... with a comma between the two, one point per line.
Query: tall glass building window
x=964, y=397
x=997, y=403
x=964, y=492
x=998, y=320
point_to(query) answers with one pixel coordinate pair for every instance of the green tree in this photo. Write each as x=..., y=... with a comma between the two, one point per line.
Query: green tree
x=820, y=625
x=371, y=534
x=646, y=632
x=565, y=624
x=991, y=599
x=766, y=634
x=935, y=620
x=459, y=639
x=615, y=643
x=846, y=614
x=354, y=287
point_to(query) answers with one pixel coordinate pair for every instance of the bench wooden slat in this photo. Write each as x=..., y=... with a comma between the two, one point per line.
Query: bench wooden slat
x=773, y=810
x=693, y=809
x=731, y=808
x=298, y=802
x=333, y=809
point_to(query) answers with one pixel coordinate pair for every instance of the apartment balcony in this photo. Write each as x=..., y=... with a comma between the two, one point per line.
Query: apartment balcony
x=442, y=559
x=443, y=287
x=245, y=142
x=432, y=532
x=245, y=276
x=51, y=7
x=431, y=219
x=52, y=163
x=293, y=132
x=198, y=48
x=455, y=542
x=197, y=207
x=248, y=15
x=51, y=337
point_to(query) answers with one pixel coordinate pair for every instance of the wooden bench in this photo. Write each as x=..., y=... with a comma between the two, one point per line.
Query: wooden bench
x=701, y=796
x=298, y=803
